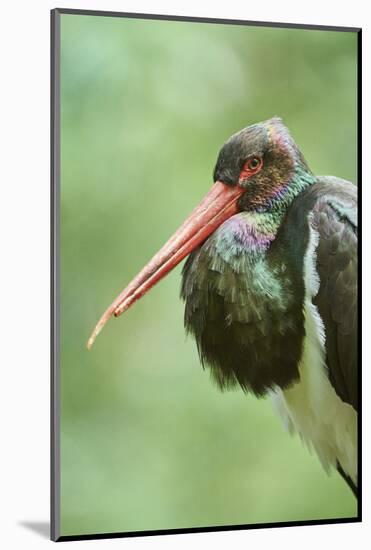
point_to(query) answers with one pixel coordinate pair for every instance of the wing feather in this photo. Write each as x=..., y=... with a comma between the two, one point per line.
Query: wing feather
x=334, y=217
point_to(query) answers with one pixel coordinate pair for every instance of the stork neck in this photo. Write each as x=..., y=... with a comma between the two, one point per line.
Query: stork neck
x=284, y=195
x=250, y=233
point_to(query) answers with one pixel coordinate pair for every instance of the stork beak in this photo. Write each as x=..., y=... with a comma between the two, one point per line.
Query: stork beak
x=218, y=205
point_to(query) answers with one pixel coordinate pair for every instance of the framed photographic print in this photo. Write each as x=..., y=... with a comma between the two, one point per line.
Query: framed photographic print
x=227, y=395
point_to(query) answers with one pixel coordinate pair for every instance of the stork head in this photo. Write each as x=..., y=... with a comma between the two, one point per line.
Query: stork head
x=264, y=160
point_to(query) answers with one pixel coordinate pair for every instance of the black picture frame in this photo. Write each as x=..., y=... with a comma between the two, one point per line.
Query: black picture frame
x=55, y=265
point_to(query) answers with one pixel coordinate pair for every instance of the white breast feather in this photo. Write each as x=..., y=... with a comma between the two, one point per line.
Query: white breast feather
x=311, y=406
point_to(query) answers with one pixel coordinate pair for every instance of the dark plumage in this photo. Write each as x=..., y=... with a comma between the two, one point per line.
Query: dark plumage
x=245, y=335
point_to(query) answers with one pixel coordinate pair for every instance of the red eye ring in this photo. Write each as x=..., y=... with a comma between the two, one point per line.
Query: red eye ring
x=252, y=166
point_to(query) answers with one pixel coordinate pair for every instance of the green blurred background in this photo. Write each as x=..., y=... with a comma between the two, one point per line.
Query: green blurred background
x=147, y=440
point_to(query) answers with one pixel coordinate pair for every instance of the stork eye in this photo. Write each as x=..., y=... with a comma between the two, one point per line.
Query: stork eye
x=251, y=167
x=254, y=163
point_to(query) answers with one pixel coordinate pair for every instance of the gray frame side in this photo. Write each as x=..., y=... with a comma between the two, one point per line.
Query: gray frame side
x=55, y=283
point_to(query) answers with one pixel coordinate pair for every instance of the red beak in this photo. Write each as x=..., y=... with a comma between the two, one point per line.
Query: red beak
x=217, y=206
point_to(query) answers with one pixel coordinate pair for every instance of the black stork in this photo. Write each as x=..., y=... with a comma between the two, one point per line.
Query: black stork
x=270, y=287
